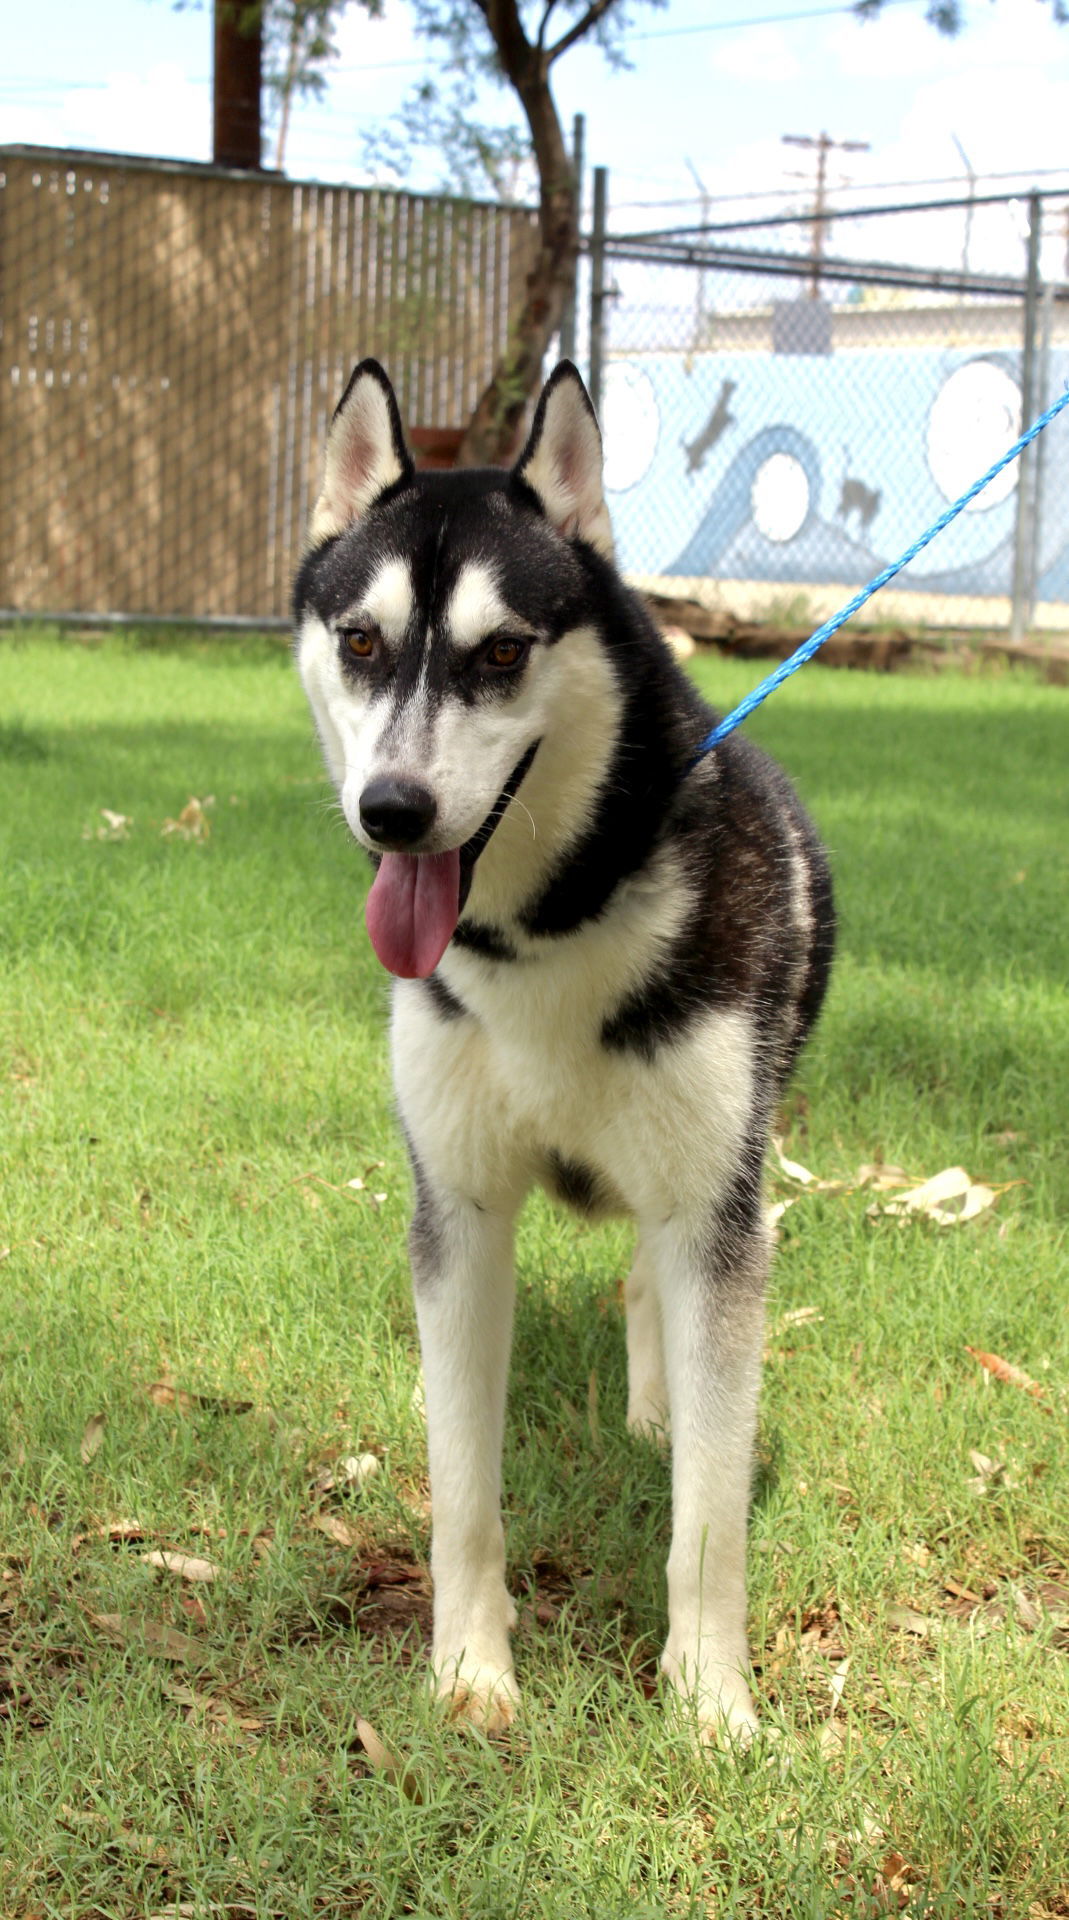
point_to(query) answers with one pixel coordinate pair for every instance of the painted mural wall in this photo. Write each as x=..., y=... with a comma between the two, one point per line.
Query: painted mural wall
x=817, y=468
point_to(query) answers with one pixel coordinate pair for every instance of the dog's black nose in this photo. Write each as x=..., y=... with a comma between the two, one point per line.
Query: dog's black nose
x=396, y=812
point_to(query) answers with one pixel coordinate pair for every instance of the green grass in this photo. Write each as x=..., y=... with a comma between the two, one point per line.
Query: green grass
x=192, y=1067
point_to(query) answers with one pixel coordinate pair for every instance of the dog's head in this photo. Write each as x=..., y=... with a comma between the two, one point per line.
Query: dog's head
x=430, y=611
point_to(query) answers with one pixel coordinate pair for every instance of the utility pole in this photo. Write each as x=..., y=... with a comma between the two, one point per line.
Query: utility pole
x=823, y=143
x=236, y=81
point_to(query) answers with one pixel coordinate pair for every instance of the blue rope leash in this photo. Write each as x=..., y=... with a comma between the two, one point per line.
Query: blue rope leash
x=816, y=640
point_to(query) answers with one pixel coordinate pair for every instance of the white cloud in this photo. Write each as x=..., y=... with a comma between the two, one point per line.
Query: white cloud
x=158, y=112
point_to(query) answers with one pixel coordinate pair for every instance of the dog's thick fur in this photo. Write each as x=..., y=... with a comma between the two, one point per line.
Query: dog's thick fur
x=642, y=946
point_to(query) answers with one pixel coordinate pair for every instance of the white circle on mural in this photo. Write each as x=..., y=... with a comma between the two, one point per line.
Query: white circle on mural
x=779, y=497
x=630, y=424
x=975, y=416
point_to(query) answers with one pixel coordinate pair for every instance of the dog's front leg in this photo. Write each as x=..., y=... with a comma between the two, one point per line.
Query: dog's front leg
x=710, y=1282
x=464, y=1287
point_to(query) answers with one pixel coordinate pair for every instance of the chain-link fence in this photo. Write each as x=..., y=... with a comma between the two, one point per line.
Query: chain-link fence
x=788, y=403
x=173, y=340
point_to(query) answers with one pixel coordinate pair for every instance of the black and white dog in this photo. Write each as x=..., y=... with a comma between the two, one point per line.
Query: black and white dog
x=607, y=959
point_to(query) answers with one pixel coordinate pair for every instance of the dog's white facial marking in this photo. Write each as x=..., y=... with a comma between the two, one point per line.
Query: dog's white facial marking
x=388, y=600
x=476, y=609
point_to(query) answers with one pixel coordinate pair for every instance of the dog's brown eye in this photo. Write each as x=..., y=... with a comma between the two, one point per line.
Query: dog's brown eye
x=505, y=653
x=359, y=641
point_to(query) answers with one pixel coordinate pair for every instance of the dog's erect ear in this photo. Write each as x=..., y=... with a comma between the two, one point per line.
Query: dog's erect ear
x=366, y=453
x=561, y=462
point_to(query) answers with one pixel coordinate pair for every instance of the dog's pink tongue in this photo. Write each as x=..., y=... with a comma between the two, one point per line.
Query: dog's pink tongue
x=412, y=909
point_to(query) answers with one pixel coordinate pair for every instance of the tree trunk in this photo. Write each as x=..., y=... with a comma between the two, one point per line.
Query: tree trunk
x=492, y=434
x=236, y=77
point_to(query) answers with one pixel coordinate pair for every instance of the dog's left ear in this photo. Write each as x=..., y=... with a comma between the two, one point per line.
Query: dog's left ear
x=562, y=461
x=366, y=453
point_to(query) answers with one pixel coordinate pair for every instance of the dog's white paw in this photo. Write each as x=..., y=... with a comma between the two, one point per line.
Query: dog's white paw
x=719, y=1709
x=482, y=1691
x=650, y=1422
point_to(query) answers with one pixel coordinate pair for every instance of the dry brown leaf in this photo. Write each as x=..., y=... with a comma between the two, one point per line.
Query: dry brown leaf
x=384, y=1762
x=908, y=1620
x=883, y=1177
x=186, y=1565
x=792, y=1168
x=1004, y=1370
x=164, y=1393
x=192, y=823
x=1028, y=1614
x=116, y=1531
x=336, y=1529
x=116, y=826
x=797, y=1317
x=93, y=1436
x=989, y=1473
x=948, y=1198
x=133, y=1629
x=353, y=1471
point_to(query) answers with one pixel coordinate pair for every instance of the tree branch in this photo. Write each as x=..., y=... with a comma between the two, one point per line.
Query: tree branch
x=540, y=38
x=590, y=19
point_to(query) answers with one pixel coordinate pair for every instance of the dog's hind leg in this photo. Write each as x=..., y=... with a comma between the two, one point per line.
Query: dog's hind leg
x=711, y=1279
x=647, y=1395
x=464, y=1289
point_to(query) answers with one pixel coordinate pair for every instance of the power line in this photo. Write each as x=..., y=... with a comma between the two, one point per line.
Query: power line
x=865, y=187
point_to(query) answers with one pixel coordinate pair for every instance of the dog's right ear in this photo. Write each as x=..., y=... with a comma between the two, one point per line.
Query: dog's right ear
x=366, y=453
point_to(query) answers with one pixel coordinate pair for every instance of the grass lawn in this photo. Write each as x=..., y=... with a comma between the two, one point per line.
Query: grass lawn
x=201, y=1316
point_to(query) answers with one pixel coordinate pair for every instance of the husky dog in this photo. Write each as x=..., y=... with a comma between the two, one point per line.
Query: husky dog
x=607, y=956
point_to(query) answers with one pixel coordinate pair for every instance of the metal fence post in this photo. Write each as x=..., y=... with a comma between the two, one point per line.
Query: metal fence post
x=568, y=319
x=1021, y=609
x=597, y=284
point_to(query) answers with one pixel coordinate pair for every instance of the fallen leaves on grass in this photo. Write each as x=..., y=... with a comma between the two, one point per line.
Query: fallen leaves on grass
x=186, y=1565
x=164, y=1393
x=116, y=826
x=908, y=1620
x=117, y=1833
x=383, y=1761
x=354, y=1471
x=999, y=1369
x=948, y=1198
x=117, y=1532
x=136, y=1629
x=92, y=1437
x=990, y=1473
x=350, y=1190
x=336, y=1529
x=192, y=823
x=795, y=1171
x=833, y=1732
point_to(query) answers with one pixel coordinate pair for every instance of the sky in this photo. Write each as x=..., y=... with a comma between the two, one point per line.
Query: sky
x=712, y=88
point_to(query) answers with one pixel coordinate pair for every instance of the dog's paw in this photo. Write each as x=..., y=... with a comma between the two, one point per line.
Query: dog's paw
x=650, y=1422
x=482, y=1692
x=719, y=1709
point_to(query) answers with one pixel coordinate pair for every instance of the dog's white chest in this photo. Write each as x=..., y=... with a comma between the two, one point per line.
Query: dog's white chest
x=526, y=1076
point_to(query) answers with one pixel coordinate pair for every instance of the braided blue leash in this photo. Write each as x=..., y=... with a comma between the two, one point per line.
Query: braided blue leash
x=816, y=640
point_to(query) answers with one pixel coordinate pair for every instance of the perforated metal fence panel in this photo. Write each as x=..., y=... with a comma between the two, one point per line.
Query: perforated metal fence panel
x=173, y=341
